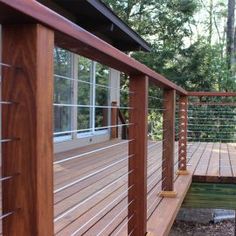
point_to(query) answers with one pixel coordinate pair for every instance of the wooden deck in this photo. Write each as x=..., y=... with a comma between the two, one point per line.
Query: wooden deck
x=96, y=203
x=217, y=163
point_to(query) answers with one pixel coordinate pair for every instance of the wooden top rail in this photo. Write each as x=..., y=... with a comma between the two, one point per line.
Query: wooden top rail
x=212, y=94
x=213, y=103
x=72, y=37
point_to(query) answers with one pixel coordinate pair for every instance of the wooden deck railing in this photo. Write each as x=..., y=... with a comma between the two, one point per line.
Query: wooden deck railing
x=30, y=31
x=211, y=117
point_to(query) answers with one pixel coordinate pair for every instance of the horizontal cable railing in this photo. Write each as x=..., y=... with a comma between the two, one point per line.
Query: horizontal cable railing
x=96, y=84
x=101, y=189
x=155, y=149
x=91, y=152
x=211, y=123
x=107, y=187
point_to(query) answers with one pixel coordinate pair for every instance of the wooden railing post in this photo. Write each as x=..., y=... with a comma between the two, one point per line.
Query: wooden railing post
x=138, y=163
x=29, y=84
x=168, y=144
x=183, y=126
x=114, y=120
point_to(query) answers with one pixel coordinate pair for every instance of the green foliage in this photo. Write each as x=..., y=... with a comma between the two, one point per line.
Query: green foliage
x=200, y=68
x=194, y=59
x=155, y=120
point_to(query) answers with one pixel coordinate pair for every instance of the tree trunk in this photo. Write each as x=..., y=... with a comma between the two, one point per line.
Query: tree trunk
x=210, y=22
x=230, y=33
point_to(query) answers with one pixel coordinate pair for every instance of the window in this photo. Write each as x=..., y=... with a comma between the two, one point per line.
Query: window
x=85, y=96
x=101, y=97
x=81, y=97
x=63, y=94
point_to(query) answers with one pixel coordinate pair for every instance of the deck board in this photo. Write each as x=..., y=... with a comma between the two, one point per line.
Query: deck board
x=225, y=164
x=162, y=219
x=232, y=156
x=204, y=161
x=106, y=212
x=213, y=167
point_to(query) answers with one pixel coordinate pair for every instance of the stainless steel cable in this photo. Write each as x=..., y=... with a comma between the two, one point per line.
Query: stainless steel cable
x=91, y=196
x=92, y=174
x=91, y=152
x=122, y=196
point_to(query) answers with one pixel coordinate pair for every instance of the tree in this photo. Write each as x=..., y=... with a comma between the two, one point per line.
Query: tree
x=196, y=61
x=230, y=33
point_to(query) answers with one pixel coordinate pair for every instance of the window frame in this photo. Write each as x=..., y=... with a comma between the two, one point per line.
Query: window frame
x=75, y=136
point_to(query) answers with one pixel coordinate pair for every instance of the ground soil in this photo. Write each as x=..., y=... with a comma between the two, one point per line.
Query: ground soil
x=224, y=228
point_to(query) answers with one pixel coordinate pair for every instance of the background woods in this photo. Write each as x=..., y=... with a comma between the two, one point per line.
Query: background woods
x=194, y=45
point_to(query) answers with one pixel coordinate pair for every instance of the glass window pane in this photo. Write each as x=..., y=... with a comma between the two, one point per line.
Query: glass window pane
x=102, y=74
x=63, y=93
x=62, y=123
x=84, y=70
x=102, y=96
x=83, y=120
x=84, y=81
x=101, y=118
x=102, y=85
x=85, y=98
x=63, y=62
x=63, y=90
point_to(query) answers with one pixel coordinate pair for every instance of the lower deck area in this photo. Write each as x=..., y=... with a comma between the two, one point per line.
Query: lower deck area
x=91, y=185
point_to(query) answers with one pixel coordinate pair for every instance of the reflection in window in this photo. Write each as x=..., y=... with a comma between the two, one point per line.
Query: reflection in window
x=85, y=88
x=85, y=96
x=84, y=120
x=102, y=96
x=63, y=90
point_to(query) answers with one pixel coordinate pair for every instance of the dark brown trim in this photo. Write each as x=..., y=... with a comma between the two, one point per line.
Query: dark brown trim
x=106, y=11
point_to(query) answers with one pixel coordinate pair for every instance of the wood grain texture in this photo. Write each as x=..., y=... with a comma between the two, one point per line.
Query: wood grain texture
x=217, y=164
x=162, y=219
x=72, y=37
x=138, y=148
x=168, y=140
x=68, y=172
x=29, y=47
x=183, y=127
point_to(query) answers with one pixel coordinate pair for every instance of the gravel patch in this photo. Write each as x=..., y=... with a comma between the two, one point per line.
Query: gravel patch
x=181, y=228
